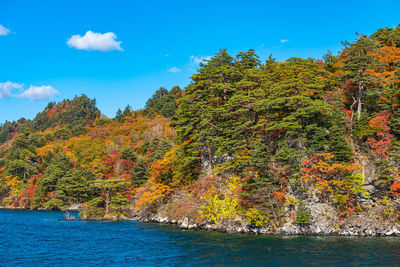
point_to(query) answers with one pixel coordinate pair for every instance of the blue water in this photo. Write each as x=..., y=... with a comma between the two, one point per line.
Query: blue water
x=37, y=238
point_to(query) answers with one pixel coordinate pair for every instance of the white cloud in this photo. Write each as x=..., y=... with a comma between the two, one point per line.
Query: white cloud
x=199, y=59
x=174, y=70
x=284, y=41
x=92, y=41
x=7, y=88
x=4, y=30
x=43, y=92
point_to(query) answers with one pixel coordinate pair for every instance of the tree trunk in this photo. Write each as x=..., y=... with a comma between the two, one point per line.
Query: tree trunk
x=359, y=105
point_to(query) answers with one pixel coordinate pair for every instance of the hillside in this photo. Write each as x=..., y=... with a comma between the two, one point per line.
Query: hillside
x=302, y=146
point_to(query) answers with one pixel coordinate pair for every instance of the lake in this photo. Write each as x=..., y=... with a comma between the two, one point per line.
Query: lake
x=38, y=238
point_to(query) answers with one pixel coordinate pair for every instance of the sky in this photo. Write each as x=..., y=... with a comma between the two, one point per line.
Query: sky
x=120, y=52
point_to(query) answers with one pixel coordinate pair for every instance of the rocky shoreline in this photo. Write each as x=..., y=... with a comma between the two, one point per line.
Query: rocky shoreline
x=239, y=227
x=286, y=230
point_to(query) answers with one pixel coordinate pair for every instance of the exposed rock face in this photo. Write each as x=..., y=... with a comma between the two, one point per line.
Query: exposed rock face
x=361, y=226
x=325, y=220
x=75, y=207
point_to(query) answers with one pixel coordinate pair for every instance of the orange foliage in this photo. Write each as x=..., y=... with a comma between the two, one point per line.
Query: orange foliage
x=389, y=56
x=280, y=195
x=162, y=169
x=151, y=192
x=333, y=181
x=395, y=188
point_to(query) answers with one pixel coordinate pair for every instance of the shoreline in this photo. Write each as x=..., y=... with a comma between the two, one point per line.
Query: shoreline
x=72, y=208
x=232, y=229
x=293, y=231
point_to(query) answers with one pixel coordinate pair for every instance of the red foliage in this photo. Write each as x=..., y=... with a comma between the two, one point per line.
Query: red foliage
x=348, y=115
x=395, y=188
x=292, y=215
x=110, y=161
x=382, y=143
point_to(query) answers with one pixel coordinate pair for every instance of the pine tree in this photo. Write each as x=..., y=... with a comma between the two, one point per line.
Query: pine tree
x=303, y=215
x=359, y=59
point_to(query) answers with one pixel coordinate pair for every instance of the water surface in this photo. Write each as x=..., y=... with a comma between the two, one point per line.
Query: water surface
x=38, y=238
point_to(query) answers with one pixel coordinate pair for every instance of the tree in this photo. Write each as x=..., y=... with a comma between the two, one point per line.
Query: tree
x=119, y=117
x=140, y=173
x=303, y=215
x=388, y=36
x=73, y=186
x=358, y=59
x=108, y=190
x=163, y=102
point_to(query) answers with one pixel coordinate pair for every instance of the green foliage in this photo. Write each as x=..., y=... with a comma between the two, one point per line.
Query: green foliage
x=73, y=187
x=94, y=209
x=388, y=36
x=337, y=144
x=159, y=148
x=163, y=102
x=119, y=204
x=303, y=215
x=128, y=154
x=122, y=115
x=77, y=111
x=140, y=173
x=51, y=176
x=358, y=60
x=54, y=204
x=74, y=114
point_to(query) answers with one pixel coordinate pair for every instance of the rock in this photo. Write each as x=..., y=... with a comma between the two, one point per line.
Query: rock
x=75, y=207
x=185, y=223
x=262, y=230
x=396, y=231
x=389, y=233
x=192, y=226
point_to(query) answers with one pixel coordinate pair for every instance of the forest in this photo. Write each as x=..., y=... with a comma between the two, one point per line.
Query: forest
x=263, y=143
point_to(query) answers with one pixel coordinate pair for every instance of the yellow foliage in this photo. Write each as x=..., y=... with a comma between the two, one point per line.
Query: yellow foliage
x=219, y=207
x=234, y=183
x=85, y=149
x=100, y=168
x=387, y=206
x=44, y=151
x=255, y=217
x=290, y=202
x=15, y=185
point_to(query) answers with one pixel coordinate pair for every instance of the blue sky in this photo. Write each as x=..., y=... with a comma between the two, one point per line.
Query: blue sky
x=156, y=43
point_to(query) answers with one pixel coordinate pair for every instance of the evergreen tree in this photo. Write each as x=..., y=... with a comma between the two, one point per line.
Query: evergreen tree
x=303, y=215
x=163, y=102
x=358, y=60
x=119, y=117
x=140, y=173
